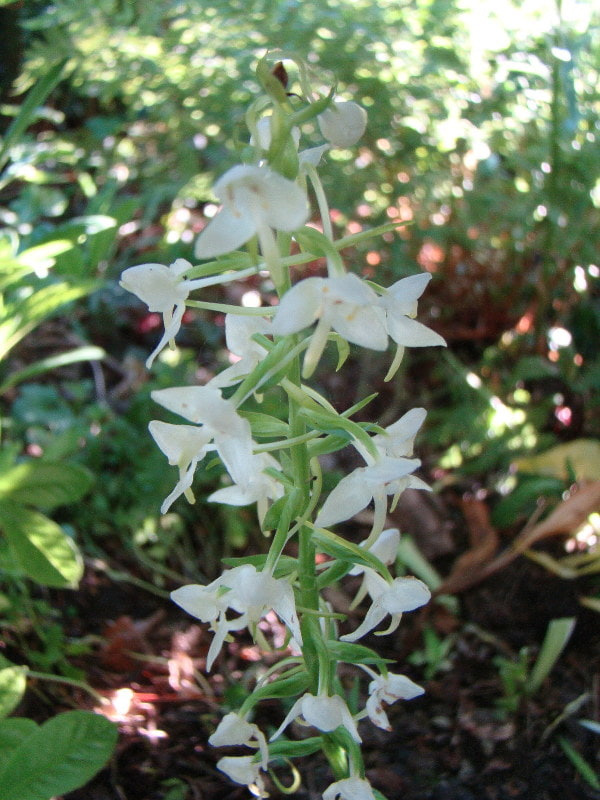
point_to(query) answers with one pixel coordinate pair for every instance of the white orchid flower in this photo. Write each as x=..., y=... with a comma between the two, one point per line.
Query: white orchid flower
x=344, y=303
x=164, y=290
x=388, y=689
x=323, y=712
x=385, y=548
x=373, y=482
x=244, y=770
x=400, y=305
x=402, y=594
x=236, y=730
x=399, y=438
x=239, y=331
x=250, y=593
x=184, y=446
x=255, y=200
x=231, y=433
x=349, y=789
x=260, y=488
x=343, y=123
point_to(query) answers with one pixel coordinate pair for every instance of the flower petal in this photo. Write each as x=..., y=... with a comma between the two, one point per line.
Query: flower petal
x=227, y=231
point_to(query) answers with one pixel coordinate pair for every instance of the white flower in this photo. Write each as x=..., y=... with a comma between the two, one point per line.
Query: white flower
x=260, y=488
x=388, y=689
x=374, y=482
x=244, y=770
x=345, y=304
x=238, y=338
x=163, y=289
x=236, y=730
x=349, y=789
x=403, y=594
x=400, y=305
x=230, y=432
x=385, y=548
x=343, y=123
x=250, y=593
x=255, y=199
x=323, y=712
x=185, y=446
x=399, y=438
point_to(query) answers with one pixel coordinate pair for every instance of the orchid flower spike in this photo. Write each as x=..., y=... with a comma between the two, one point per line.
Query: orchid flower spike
x=349, y=789
x=403, y=594
x=164, y=290
x=323, y=712
x=343, y=303
x=343, y=123
x=255, y=200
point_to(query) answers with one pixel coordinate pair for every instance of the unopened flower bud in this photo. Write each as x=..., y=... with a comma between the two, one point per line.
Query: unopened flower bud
x=343, y=123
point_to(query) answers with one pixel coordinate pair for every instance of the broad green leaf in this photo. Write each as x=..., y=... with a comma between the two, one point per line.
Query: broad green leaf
x=13, y=732
x=45, y=485
x=282, y=687
x=41, y=547
x=287, y=507
x=12, y=688
x=61, y=755
x=582, y=456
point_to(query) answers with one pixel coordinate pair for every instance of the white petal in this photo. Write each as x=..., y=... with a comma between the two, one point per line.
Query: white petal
x=328, y=713
x=349, y=789
x=233, y=729
x=227, y=231
x=343, y=123
x=156, y=285
x=350, y=496
x=198, y=601
x=410, y=333
x=408, y=290
x=239, y=331
x=376, y=713
x=299, y=307
x=373, y=617
x=241, y=769
x=294, y=712
x=180, y=443
x=405, y=594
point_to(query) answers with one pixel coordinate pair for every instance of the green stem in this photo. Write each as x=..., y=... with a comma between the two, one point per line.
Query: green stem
x=68, y=681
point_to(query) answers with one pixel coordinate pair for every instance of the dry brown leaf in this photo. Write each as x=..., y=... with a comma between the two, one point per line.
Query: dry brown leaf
x=568, y=515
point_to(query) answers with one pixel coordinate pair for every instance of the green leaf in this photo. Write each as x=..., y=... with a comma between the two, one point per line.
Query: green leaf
x=288, y=506
x=61, y=755
x=20, y=317
x=354, y=653
x=41, y=547
x=264, y=425
x=585, y=769
x=338, y=426
x=285, y=564
x=282, y=687
x=13, y=733
x=87, y=353
x=297, y=748
x=558, y=634
x=28, y=108
x=12, y=688
x=44, y=484
x=337, y=547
